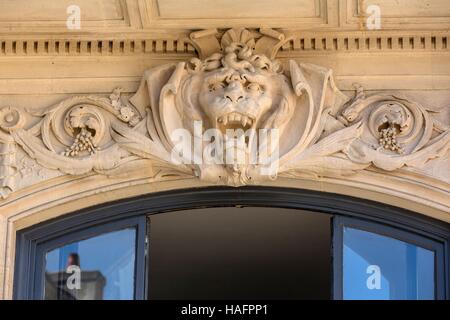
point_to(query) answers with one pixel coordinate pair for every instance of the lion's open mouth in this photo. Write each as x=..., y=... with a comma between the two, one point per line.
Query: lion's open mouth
x=235, y=120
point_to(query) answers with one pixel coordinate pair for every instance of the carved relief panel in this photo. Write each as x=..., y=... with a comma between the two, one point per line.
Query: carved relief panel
x=235, y=85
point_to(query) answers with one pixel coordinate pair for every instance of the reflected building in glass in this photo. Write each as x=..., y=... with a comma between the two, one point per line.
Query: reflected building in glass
x=98, y=268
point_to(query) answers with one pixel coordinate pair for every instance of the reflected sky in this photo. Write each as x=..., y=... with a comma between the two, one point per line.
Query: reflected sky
x=110, y=256
x=406, y=271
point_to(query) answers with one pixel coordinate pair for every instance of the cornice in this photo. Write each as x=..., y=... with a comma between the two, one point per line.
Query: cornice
x=178, y=42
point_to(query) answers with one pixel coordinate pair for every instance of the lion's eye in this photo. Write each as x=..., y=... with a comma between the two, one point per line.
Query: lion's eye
x=216, y=86
x=254, y=87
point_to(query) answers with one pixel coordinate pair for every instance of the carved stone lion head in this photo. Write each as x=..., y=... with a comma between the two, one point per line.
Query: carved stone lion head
x=232, y=99
x=236, y=85
x=238, y=89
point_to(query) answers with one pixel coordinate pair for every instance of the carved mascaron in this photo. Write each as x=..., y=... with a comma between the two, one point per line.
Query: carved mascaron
x=235, y=84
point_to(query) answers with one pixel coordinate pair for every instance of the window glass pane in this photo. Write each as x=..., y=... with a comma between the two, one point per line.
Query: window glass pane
x=240, y=253
x=379, y=267
x=99, y=268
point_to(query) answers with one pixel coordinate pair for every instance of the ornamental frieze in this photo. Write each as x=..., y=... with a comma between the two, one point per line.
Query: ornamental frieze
x=234, y=115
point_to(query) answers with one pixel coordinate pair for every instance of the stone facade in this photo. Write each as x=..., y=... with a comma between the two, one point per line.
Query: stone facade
x=92, y=115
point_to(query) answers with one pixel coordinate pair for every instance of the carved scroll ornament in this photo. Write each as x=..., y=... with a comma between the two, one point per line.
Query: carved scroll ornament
x=234, y=84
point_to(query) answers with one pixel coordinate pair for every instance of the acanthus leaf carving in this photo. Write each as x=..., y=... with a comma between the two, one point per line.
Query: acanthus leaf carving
x=398, y=132
x=235, y=84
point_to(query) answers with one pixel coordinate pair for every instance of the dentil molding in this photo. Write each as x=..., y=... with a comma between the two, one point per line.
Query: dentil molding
x=234, y=83
x=147, y=43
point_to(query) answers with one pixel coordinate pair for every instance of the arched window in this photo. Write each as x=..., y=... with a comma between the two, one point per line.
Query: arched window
x=235, y=243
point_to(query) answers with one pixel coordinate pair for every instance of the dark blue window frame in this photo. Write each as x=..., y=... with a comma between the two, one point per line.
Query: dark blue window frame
x=39, y=241
x=435, y=245
x=395, y=221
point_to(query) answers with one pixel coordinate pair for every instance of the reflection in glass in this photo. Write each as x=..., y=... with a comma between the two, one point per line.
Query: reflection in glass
x=99, y=268
x=383, y=268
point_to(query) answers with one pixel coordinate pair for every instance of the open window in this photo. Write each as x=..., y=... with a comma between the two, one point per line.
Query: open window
x=235, y=244
x=240, y=253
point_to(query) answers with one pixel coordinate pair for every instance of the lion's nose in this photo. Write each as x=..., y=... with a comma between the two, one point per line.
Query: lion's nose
x=234, y=92
x=234, y=97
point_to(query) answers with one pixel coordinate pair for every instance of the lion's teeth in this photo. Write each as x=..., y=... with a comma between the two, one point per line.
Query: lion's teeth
x=235, y=117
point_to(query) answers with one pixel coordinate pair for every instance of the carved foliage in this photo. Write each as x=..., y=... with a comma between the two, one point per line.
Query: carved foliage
x=397, y=132
x=235, y=83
